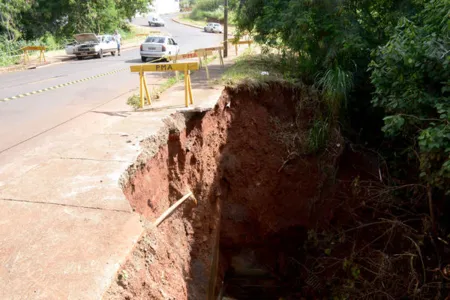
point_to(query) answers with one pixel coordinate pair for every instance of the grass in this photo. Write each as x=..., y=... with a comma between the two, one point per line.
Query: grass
x=186, y=18
x=251, y=68
x=318, y=136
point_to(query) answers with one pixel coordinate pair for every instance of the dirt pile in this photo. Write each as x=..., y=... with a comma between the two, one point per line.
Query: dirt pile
x=262, y=170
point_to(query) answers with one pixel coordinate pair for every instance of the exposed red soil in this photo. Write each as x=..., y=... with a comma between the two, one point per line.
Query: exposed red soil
x=248, y=191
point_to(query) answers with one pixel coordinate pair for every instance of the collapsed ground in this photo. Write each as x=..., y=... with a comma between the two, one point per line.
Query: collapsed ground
x=286, y=208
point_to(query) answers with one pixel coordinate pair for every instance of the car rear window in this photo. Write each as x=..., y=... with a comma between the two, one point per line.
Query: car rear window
x=153, y=39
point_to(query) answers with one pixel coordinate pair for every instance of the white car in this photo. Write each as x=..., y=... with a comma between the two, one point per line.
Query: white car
x=155, y=20
x=90, y=44
x=158, y=47
x=214, y=27
x=70, y=47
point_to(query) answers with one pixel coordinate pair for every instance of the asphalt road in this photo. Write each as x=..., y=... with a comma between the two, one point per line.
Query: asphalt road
x=25, y=119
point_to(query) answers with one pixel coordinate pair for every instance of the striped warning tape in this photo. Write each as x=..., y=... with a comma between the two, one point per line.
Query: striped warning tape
x=61, y=85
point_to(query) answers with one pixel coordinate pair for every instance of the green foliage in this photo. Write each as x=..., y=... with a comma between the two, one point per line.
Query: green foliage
x=318, y=136
x=207, y=9
x=411, y=75
x=259, y=68
x=212, y=10
x=134, y=101
x=332, y=39
x=10, y=17
x=60, y=19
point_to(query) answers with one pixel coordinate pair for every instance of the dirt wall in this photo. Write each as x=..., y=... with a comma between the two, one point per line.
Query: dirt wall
x=250, y=183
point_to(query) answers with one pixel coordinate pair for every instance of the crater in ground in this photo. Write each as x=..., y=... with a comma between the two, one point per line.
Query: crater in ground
x=262, y=165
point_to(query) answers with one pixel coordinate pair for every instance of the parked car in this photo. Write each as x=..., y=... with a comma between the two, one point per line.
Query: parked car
x=158, y=47
x=214, y=27
x=70, y=47
x=90, y=44
x=155, y=20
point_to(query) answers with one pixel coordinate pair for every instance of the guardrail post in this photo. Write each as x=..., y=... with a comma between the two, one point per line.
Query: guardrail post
x=186, y=76
x=42, y=56
x=200, y=62
x=190, y=88
x=205, y=58
x=26, y=58
x=221, y=58
x=176, y=72
x=188, y=99
x=147, y=94
x=141, y=75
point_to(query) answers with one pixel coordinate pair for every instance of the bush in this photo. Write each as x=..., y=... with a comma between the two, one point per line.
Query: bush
x=134, y=101
x=208, y=10
x=411, y=75
x=208, y=5
x=51, y=42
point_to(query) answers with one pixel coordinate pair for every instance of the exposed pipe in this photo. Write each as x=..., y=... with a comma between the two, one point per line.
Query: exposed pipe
x=171, y=209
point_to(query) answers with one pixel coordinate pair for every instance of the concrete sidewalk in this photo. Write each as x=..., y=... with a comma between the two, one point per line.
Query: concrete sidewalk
x=65, y=224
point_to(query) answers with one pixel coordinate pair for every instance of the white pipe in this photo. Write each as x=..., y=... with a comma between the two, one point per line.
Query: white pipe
x=173, y=207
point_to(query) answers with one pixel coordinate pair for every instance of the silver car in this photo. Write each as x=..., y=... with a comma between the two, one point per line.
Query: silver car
x=213, y=27
x=158, y=47
x=90, y=44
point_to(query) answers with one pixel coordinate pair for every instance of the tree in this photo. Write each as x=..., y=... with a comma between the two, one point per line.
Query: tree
x=411, y=75
x=10, y=12
x=63, y=18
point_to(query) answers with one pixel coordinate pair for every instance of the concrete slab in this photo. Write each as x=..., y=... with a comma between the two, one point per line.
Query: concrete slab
x=56, y=252
x=82, y=183
x=112, y=147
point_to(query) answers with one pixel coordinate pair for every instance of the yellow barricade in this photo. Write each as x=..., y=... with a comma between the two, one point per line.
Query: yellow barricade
x=237, y=43
x=26, y=57
x=149, y=33
x=185, y=67
x=203, y=53
x=218, y=49
x=181, y=56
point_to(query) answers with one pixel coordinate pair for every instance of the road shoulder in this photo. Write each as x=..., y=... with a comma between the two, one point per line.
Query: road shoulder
x=66, y=225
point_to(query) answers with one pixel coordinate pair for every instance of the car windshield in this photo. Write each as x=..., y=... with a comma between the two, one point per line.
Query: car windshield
x=153, y=39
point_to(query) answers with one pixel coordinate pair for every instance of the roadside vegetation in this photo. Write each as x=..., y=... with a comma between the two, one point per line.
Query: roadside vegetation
x=383, y=70
x=202, y=11
x=53, y=23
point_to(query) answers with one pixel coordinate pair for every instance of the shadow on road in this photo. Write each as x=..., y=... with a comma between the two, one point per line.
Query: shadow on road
x=122, y=114
x=161, y=108
x=133, y=61
x=139, y=61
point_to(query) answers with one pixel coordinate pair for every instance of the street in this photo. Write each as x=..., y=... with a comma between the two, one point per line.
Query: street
x=23, y=121
x=65, y=153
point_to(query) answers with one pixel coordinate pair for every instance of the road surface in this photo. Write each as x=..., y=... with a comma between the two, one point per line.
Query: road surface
x=24, y=121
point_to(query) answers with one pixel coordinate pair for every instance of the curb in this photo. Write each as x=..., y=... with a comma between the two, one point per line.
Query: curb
x=186, y=24
x=192, y=25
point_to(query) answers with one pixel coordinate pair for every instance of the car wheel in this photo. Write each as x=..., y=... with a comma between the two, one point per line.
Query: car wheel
x=79, y=57
x=144, y=59
x=113, y=53
x=100, y=54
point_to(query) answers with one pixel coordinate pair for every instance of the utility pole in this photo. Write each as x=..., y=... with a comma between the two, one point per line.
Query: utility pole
x=225, y=30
